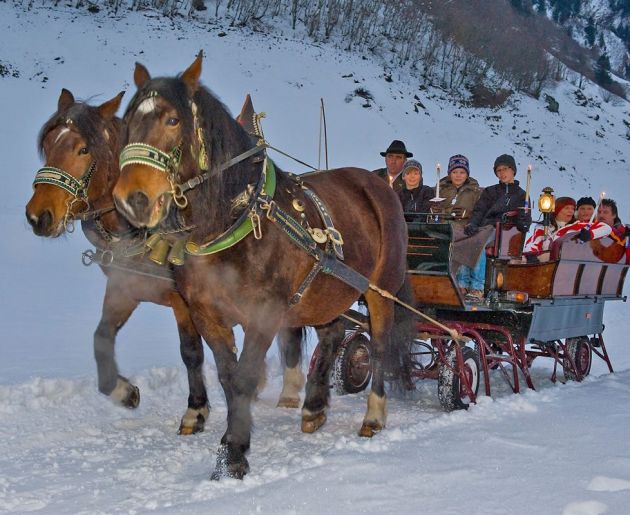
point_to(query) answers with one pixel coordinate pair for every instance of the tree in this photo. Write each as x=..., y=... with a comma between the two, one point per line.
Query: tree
x=602, y=71
x=591, y=32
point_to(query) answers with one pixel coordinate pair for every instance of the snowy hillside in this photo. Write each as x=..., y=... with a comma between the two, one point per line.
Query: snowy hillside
x=64, y=448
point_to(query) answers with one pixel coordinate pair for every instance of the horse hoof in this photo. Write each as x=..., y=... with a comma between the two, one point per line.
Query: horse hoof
x=193, y=421
x=231, y=463
x=133, y=399
x=312, y=423
x=288, y=402
x=369, y=429
x=125, y=393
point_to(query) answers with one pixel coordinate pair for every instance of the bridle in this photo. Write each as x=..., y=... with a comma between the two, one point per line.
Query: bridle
x=78, y=188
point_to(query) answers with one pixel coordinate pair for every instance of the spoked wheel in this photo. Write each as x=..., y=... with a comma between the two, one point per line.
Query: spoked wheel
x=353, y=369
x=422, y=355
x=451, y=392
x=582, y=355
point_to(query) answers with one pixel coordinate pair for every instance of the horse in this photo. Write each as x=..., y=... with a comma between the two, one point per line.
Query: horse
x=185, y=156
x=76, y=138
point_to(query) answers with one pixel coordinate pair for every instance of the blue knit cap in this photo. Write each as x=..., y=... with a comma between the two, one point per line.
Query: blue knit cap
x=458, y=161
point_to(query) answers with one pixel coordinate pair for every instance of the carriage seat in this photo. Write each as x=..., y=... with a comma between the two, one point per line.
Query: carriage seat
x=508, y=240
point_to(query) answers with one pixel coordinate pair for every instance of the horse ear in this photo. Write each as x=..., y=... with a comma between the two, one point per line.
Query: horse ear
x=192, y=74
x=108, y=109
x=66, y=99
x=246, y=116
x=141, y=75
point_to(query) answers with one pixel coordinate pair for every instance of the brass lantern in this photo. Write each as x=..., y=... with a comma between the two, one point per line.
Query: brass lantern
x=546, y=201
x=546, y=205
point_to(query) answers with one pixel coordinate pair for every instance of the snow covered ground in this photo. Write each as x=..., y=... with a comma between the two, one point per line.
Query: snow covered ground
x=64, y=448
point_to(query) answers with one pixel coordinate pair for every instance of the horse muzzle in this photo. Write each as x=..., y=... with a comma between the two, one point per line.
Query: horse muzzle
x=141, y=211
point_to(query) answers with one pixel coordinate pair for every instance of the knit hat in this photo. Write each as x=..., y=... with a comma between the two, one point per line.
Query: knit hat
x=506, y=160
x=397, y=147
x=458, y=161
x=586, y=201
x=411, y=163
x=561, y=203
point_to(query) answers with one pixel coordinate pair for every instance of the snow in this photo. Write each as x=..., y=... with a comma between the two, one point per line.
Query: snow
x=64, y=448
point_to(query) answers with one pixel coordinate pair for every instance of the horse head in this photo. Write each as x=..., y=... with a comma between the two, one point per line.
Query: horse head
x=175, y=129
x=79, y=144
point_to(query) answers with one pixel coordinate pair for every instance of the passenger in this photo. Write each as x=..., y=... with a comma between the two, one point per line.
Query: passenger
x=562, y=216
x=585, y=208
x=460, y=193
x=499, y=199
x=395, y=157
x=415, y=197
x=459, y=190
x=608, y=213
x=493, y=203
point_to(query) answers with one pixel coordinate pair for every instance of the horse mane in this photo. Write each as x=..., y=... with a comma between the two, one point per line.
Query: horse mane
x=224, y=139
x=91, y=125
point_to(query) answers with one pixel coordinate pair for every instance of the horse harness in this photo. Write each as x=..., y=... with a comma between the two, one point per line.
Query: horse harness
x=259, y=203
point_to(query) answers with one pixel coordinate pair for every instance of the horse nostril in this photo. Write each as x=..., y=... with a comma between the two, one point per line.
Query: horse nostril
x=138, y=201
x=41, y=223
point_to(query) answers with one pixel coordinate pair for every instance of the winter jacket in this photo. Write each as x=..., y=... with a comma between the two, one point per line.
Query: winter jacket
x=465, y=197
x=416, y=200
x=538, y=242
x=495, y=201
x=398, y=183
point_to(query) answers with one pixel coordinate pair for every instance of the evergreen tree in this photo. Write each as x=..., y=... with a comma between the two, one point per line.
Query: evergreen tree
x=602, y=71
x=591, y=32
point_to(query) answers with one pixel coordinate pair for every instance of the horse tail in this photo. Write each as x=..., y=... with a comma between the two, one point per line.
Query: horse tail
x=403, y=334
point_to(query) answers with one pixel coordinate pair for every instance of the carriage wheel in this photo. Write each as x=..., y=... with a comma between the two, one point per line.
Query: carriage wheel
x=580, y=351
x=353, y=368
x=422, y=355
x=450, y=390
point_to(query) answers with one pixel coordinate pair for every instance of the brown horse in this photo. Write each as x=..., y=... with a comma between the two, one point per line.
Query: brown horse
x=81, y=145
x=175, y=128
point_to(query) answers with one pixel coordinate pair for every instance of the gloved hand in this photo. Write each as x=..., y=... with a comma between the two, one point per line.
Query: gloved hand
x=584, y=235
x=471, y=230
x=437, y=207
x=458, y=212
x=523, y=220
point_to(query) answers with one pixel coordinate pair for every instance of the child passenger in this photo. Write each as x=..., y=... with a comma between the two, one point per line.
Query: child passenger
x=414, y=196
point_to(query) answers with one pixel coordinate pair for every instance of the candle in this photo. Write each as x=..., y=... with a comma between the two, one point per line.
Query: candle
x=437, y=197
x=601, y=197
x=437, y=187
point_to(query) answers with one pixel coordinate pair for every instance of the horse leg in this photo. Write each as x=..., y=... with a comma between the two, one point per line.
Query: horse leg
x=231, y=460
x=117, y=308
x=290, y=346
x=191, y=350
x=318, y=383
x=381, y=322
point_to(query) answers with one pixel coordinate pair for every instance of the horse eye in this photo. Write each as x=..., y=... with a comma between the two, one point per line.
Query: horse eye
x=172, y=122
x=83, y=151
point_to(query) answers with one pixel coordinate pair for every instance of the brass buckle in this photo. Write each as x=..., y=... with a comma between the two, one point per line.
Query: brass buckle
x=335, y=236
x=255, y=219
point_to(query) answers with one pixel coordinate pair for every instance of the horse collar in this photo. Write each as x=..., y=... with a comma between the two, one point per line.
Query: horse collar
x=248, y=222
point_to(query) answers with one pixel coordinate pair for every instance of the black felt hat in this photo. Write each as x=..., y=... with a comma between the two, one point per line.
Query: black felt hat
x=397, y=147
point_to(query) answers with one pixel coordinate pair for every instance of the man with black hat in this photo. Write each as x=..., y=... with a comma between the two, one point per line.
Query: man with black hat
x=497, y=200
x=395, y=157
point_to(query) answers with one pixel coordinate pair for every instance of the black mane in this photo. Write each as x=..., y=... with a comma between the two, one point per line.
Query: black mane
x=223, y=138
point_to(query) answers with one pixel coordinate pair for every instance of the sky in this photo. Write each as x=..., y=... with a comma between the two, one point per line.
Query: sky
x=64, y=448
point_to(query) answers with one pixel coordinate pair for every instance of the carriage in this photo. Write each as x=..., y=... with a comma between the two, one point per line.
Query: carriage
x=550, y=309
